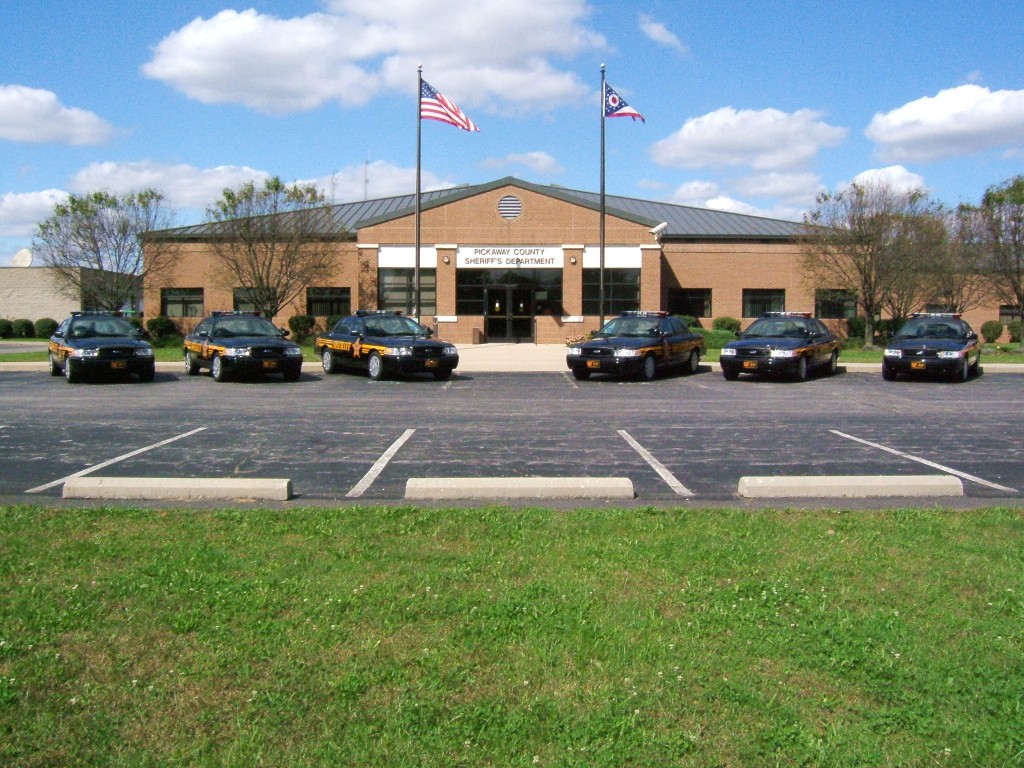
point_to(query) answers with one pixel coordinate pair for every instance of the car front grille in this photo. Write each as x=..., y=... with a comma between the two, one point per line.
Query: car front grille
x=426, y=352
x=116, y=353
x=921, y=354
x=598, y=352
x=752, y=352
x=265, y=352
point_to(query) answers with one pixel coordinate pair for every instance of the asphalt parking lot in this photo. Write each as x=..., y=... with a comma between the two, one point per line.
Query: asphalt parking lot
x=343, y=439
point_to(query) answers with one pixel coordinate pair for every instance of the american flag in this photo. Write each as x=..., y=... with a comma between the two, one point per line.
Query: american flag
x=615, y=106
x=436, y=106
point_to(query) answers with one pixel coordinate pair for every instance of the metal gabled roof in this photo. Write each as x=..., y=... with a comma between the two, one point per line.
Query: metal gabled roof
x=683, y=221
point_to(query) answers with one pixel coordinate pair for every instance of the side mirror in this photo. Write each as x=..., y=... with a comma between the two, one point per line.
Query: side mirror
x=284, y=332
x=430, y=332
x=972, y=336
x=203, y=334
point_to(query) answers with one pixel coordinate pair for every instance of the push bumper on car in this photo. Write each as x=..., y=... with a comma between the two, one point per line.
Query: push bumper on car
x=761, y=366
x=252, y=366
x=945, y=366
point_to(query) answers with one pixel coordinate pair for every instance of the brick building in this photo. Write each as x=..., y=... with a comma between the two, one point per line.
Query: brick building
x=515, y=261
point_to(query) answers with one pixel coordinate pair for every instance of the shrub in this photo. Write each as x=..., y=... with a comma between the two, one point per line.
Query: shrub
x=991, y=330
x=715, y=339
x=691, y=321
x=301, y=326
x=726, y=324
x=6, y=329
x=1015, y=330
x=855, y=329
x=161, y=326
x=45, y=326
x=24, y=329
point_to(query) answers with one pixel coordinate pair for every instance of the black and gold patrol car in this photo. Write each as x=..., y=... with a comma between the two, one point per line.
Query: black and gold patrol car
x=787, y=344
x=637, y=344
x=241, y=343
x=935, y=343
x=100, y=343
x=382, y=342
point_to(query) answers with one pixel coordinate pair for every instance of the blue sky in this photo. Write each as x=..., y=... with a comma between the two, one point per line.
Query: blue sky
x=750, y=107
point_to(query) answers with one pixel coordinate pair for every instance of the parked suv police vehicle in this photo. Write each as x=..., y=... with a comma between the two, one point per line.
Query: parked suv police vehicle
x=781, y=344
x=637, y=344
x=936, y=343
x=383, y=342
x=100, y=343
x=241, y=343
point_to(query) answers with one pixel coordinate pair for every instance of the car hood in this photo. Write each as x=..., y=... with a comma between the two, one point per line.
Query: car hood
x=620, y=342
x=768, y=342
x=251, y=341
x=408, y=341
x=107, y=342
x=939, y=345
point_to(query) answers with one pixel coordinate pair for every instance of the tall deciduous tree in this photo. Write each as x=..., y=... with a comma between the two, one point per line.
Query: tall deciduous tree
x=274, y=241
x=1002, y=238
x=94, y=244
x=956, y=274
x=864, y=239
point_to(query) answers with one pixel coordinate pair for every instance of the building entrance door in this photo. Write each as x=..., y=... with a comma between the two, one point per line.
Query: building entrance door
x=509, y=315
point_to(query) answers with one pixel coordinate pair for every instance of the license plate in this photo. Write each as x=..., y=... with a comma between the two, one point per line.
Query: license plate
x=269, y=364
x=119, y=365
x=750, y=363
x=431, y=363
x=917, y=365
x=593, y=363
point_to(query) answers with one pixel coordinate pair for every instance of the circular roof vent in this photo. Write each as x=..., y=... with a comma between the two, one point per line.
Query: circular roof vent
x=509, y=207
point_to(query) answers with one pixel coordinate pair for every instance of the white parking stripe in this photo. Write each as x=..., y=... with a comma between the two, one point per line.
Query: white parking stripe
x=656, y=465
x=379, y=465
x=919, y=460
x=96, y=467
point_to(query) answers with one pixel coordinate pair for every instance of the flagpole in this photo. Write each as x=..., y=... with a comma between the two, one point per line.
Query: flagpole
x=419, y=142
x=600, y=279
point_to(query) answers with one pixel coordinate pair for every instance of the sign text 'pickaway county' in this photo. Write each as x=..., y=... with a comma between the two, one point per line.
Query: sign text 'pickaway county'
x=509, y=257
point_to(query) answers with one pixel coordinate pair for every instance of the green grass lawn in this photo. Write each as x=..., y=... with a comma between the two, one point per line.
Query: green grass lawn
x=511, y=637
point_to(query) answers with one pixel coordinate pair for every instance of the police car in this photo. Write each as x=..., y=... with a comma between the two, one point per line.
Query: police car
x=100, y=343
x=936, y=343
x=637, y=344
x=788, y=344
x=383, y=342
x=241, y=343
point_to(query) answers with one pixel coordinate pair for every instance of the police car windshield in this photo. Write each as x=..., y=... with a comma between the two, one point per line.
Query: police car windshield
x=629, y=326
x=100, y=327
x=930, y=328
x=394, y=325
x=229, y=327
x=777, y=328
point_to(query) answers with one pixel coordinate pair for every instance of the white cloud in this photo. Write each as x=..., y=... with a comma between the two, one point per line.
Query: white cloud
x=374, y=180
x=659, y=33
x=695, y=193
x=766, y=140
x=35, y=115
x=360, y=49
x=184, y=185
x=539, y=162
x=798, y=188
x=896, y=177
x=20, y=213
x=957, y=121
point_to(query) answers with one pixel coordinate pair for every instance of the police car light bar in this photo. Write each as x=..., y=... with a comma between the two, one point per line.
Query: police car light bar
x=954, y=315
x=787, y=314
x=643, y=313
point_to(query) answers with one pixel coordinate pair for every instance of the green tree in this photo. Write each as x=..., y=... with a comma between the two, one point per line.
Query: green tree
x=94, y=245
x=1001, y=238
x=868, y=239
x=273, y=240
x=956, y=272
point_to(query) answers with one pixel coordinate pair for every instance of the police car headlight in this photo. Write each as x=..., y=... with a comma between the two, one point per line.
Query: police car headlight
x=237, y=351
x=574, y=351
x=450, y=351
x=143, y=352
x=784, y=353
x=894, y=353
x=627, y=353
x=951, y=354
x=727, y=352
x=293, y=352
x=398, y=351
x=85, y=353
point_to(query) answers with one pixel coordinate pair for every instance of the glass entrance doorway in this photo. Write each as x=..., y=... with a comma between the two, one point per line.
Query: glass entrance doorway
x=509, y=313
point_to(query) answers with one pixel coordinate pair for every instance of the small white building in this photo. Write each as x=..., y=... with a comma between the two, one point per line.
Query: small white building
x=33, y=293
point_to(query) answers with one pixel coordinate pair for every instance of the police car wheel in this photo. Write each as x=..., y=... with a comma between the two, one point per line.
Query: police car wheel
x=833, y=363
x=801, y=369
x=888, y=373
x=54, y=368
x=217, y=369
x=329, y=363
x=963, y=373
x=581, y=373
x=649, y=368
x=191, y=367
x=147, y=375
x=71, y=372
x=694, y=362
x=442, y=375
x=292, y=374
x=730, y=375
x=375, y=367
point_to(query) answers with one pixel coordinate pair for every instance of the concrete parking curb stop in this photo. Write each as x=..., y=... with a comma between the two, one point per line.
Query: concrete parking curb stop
x=178, y=489
x=422, y=488
x=849, y=486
